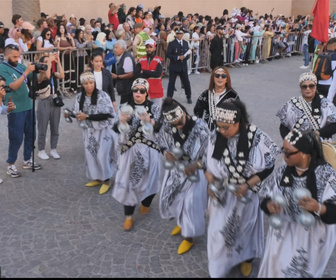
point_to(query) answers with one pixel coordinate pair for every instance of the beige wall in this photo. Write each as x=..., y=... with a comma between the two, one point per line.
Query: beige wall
x=94, y=8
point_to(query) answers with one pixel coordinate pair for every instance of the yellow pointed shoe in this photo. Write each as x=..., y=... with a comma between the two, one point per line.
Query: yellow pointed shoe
x=104, y=188
x=176, y=231
x=128, y=224
x=246, y=268
x=144, y=210
x=184, y=247
x=94, y=183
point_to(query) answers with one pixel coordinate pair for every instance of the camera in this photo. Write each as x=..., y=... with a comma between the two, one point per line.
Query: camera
x=40, y=67
x=6, y=88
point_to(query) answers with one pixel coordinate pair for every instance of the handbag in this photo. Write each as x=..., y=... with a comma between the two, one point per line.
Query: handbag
x=110, y=58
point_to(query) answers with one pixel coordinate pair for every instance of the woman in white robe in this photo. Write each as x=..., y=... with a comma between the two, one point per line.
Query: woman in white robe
x=239, y=156
x=181, y=197
x=310, y=111
x=139, y=163
x=295, y=248
x=95, y=113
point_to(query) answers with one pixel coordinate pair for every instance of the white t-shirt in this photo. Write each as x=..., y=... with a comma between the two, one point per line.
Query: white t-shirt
x=196, y=36
x=47, y=43
x=128, y=65
x=98, y=79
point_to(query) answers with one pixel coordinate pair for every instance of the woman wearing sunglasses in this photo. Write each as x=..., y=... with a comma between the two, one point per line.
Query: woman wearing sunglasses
x=139, y=164
x=298, y=249
x=310, y=111
x=239, y=156
x=220, y=89
x=183, y=140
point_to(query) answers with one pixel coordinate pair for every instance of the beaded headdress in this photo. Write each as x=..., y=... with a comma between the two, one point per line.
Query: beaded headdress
x=308, y=77
x=226, y=115
x=173, y=114
x=141, y=82
x=293, y=136
x=87, y=76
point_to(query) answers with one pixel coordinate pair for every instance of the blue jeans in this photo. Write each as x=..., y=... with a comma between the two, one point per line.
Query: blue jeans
x=306, y=55
x=20, y=128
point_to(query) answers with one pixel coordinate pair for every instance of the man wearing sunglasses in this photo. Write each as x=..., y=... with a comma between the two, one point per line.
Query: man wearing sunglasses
x=217, y=48
x=310, y=111
x=21, y=119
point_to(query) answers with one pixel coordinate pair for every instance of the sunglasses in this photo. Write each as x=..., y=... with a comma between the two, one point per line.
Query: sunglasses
x=287, y=154
x=48, y=34
x=142, y=90
x=220, y=75
x=311, y=86
x=13, y=47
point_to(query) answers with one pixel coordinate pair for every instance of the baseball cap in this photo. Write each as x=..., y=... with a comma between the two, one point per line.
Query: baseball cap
x=219, y=27
x=1, y=24
x=44, y=15
x=150, y=42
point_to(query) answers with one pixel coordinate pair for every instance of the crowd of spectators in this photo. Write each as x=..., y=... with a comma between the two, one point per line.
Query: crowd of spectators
x=246, y=30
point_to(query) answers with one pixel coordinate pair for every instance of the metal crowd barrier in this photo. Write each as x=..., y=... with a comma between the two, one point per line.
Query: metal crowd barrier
x=75, y=61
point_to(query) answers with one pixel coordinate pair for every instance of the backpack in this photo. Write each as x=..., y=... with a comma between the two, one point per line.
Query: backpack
x=322, y=67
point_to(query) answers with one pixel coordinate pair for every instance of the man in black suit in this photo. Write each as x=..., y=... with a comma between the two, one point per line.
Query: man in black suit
x=178, y=52
x=216, y=49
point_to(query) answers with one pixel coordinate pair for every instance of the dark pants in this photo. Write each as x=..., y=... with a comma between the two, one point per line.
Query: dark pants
x=21, y=128
x=129, y=210
x=184, y=81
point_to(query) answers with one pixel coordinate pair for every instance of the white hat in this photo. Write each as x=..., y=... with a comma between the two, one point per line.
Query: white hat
x=153, y=34
x=150, y=42
x=141, y=82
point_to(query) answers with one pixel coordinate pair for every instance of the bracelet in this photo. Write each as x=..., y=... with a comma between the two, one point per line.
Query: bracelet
x=319, y=210
x=24, y=76
x=248, y=185
x=199, y=165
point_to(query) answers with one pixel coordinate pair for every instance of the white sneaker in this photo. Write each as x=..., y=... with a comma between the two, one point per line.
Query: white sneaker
x=196, y=72
x=42, y=155
x=54, y=154
x=189, y=72
x=304, y=67
x=1, y=181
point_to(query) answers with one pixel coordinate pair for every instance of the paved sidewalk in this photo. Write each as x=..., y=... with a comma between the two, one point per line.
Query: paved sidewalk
x=51, y=225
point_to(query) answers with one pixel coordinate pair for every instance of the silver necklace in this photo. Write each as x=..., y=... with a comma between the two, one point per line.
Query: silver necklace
x=301, y=169
x=212, y=102
x=307, y=110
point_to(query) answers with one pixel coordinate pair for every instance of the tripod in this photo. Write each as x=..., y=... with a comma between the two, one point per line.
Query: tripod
x=32, y=95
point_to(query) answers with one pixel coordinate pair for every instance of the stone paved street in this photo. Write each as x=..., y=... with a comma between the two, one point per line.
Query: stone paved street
x=51, y=225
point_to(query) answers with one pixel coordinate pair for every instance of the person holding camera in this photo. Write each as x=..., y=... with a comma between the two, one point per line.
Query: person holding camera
x=21, y=119
x=47, y=111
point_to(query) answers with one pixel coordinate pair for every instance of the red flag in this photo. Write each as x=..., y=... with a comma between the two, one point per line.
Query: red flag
x=320, y=28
